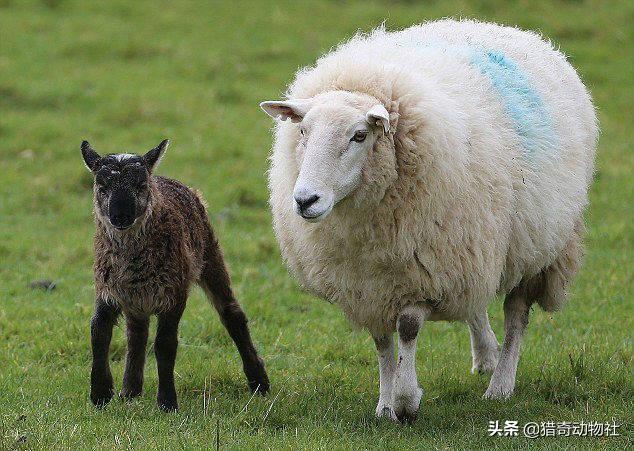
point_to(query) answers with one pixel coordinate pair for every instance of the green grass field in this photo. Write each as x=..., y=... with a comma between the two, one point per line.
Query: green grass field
x=127, y=74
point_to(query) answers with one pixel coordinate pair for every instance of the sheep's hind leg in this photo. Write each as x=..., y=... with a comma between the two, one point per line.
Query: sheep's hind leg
x=387, y=369
x=516, y=309
x=137, y=333
x=407, y=394
x=484, y=346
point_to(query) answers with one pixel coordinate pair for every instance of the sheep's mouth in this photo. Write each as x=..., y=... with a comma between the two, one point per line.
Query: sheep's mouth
x=311, y=218
x=315, y=217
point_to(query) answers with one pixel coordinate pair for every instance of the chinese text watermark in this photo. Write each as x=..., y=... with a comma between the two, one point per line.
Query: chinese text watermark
x=532, y=429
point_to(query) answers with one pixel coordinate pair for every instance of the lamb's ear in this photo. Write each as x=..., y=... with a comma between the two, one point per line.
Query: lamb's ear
x=91, y=158
x=153, y=157
x=378, y=115
x=293, y=109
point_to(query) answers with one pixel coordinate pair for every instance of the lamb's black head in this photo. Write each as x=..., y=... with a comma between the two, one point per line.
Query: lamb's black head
x=122, y=184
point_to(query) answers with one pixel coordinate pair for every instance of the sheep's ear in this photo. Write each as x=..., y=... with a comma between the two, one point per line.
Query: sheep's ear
x=91, y=158
x=153, y=157
x=378, y=115
x=284, y=109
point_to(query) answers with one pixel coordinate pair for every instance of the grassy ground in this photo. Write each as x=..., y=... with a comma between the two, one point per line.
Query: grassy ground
x=127, y=74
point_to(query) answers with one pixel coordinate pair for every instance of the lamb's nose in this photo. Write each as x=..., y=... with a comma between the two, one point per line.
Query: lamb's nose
x=304, y=203
x=121, y=220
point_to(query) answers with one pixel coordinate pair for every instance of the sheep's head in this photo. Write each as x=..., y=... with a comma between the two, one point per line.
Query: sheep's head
x=122, y=184
x=337, y=130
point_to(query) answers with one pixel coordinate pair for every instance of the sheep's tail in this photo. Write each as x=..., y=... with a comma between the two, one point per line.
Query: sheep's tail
x=216, y=283
x=549, y=287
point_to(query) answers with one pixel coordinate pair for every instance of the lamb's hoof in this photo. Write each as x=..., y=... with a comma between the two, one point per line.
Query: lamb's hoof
x=127, y=394
x=257, y=377
x=498, y=392
x=101, y=387
x=167, y=404
x=406, y=405
x=385, y=411
x=100, y=396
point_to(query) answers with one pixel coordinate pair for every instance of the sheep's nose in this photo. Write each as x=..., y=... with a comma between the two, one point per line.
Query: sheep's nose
x=304, y=202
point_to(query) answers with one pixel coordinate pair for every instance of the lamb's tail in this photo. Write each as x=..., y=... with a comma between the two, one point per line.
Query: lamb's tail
x=216, y=282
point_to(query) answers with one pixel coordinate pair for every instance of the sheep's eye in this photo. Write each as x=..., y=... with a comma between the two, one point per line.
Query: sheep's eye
x=102, y=190
x=359, y=136
x=301, y=131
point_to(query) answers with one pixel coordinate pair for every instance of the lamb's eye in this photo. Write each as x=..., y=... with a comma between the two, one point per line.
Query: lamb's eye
x=302, y=132
x=102, y=190
x=359, y=136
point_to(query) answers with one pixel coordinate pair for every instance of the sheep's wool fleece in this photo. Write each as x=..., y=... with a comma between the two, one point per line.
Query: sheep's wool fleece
x=480, y=183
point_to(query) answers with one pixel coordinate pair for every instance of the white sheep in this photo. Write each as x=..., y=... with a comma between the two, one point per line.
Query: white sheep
x=427, y=170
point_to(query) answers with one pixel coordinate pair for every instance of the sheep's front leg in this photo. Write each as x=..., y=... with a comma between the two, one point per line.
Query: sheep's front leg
x=103, y=320
x=387, y=369
x=137, y=332
x=484, y=346
x=516, y=309
x=165, y=347
x=407, y=394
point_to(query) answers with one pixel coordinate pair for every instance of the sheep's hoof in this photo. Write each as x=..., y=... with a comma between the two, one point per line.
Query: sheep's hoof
x=498, y=392
x=485, y=365
x=385, y=411
x=485, y=361
x=406, y=405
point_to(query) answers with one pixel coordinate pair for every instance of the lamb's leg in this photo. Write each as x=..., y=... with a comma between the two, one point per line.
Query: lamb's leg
x=516, y=309
x=216, y=283
x=484, y=346
x=407, y=394
x=387, y=369
x=165, y=347
x=103, y=320
x=137, y=332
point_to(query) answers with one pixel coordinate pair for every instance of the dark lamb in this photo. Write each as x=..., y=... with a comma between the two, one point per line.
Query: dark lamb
x=153, y=239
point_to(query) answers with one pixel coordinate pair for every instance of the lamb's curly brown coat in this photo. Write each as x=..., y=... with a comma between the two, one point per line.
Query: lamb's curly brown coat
x=147, y=269
x=150, y=271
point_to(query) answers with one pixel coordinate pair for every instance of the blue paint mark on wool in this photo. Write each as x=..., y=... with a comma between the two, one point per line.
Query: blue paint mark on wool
x=530, y=116
x=523, y=104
